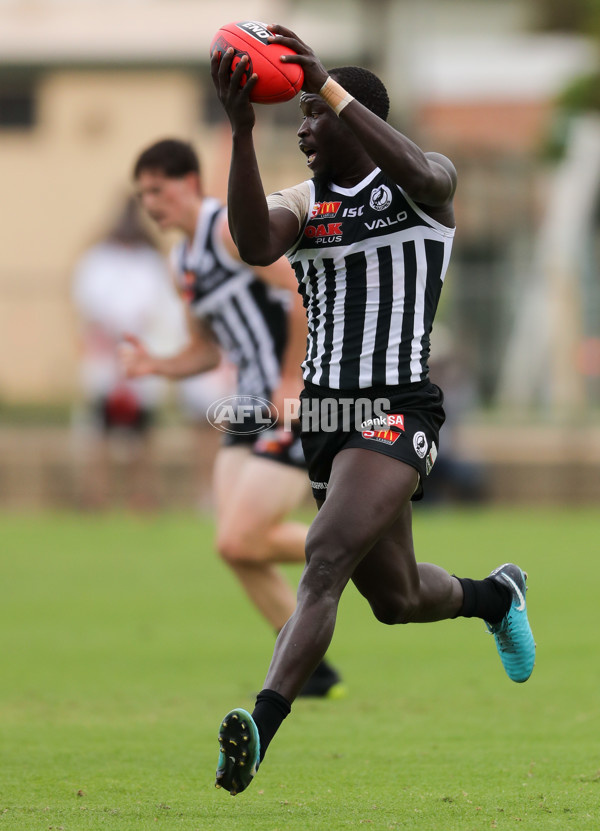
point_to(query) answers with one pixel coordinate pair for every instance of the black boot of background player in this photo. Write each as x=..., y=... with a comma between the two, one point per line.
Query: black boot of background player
x=325, y=682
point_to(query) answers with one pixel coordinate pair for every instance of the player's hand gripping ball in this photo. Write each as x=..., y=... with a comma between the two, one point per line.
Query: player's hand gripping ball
x=277, y=81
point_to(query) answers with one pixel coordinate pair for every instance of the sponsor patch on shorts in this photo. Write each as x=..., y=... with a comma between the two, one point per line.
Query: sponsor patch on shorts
x=385, y=436
x=420, y=444
x=431, y=457
x=391, y=420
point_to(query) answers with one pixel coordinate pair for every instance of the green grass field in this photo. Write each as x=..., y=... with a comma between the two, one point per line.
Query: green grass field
x=123, y=642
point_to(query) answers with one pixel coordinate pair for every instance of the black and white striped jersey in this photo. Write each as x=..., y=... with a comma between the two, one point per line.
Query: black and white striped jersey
x=370, y=266
x=247, y=317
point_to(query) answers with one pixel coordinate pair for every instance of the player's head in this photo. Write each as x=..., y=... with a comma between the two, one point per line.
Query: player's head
x=171, y=157
x=365, y=86
x=330, y=147
x=167, y=182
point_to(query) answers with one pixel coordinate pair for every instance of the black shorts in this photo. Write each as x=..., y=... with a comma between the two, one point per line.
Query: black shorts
x=277, y=444
x=407, y=429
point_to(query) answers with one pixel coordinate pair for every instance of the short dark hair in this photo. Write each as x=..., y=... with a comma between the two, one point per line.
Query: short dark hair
x=172, y=157
x=365, y=86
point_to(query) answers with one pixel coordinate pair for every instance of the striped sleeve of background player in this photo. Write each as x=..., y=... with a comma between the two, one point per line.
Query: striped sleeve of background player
x=251, y=327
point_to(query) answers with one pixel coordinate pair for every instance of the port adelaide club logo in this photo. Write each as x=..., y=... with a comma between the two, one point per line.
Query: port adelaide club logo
x=381, y=198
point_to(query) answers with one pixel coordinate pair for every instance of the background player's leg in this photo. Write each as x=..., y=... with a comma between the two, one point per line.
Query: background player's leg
x=257, y=498
x=254, y=496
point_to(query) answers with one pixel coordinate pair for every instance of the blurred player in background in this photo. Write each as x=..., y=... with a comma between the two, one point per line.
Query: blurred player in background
x=195, y=396
x=255, y=316
x=369, y=237
x=121, y=284
x=455, y=478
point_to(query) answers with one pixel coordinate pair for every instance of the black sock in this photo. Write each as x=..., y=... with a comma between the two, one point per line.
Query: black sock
x=488, y=599
x=270, y=710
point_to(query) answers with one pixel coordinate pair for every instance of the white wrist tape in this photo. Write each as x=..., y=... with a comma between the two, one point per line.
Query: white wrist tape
x=335, y=95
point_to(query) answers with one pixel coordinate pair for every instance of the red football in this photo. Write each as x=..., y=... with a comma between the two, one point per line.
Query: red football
x=277, y=81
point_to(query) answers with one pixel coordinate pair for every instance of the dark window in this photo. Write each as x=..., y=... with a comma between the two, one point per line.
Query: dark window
x=17, y=108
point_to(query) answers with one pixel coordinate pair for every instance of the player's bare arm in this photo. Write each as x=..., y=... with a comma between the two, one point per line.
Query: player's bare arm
x=260, y=237
x=428, y=178
x=200, y=354
x=281, y=275
x=278, y=274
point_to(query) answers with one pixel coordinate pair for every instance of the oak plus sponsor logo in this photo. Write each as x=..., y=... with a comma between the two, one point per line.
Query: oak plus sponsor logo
x=324, y=232
x=242, y=414
x=381, y=198
x=325, y=210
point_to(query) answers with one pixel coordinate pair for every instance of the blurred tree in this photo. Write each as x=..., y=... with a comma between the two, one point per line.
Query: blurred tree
x=582, y=94
x=574, y=16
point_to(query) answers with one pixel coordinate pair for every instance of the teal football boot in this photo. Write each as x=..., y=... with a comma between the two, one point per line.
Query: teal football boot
x=514, y=639
x=239, y=753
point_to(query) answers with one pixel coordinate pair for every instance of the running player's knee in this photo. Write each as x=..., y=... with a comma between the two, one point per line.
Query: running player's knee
x=237, y=548
x=227, y=549
x=394, y=609
x=333, y=544
x=329, y=565
x=324, y=576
